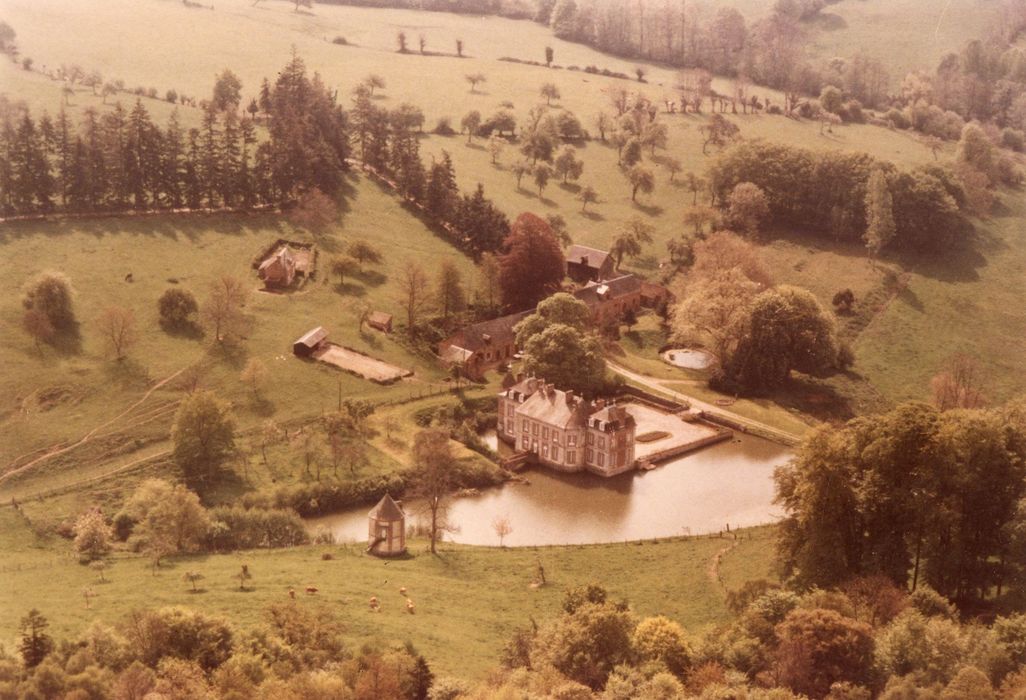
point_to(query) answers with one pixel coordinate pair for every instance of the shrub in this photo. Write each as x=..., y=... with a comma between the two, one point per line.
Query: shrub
x=1015, y=139
x=176, y=307
x=340, y=40
x=234, y=527
x=171, y=96
x=897, y=118
x=443, y=127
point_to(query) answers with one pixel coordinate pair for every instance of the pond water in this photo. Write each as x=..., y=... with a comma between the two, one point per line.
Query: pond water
x=689, y=359
x=729, y=483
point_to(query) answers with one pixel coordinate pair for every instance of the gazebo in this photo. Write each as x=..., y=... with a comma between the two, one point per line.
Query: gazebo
x=386, y=531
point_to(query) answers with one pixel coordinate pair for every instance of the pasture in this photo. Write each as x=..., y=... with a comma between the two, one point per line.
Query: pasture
x=468, y=599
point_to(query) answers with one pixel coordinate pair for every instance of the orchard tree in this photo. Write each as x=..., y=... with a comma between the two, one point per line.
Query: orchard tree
x=254, y=375
x=718, y=132
x=532, y=266
x=364, y=252
x=630, y=238
x=550, y=92
x=587, y=195
x=373, y=82
x=117, y=326
x=567, y=165
x=343, y=265
x=223, y=310
x=470, y=123
x=519, y=169
x=559, y=229
x=542, y=173
x=496, y=145
x=641, y=178
x=475, y=79
x=203, y=435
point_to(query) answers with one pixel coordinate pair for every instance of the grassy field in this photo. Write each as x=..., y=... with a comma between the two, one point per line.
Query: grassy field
x=467, y=599
x=893, y=364
x=59, y=395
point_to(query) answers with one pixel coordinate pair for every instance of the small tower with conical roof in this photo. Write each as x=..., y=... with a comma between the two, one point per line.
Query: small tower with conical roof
x=386, y=533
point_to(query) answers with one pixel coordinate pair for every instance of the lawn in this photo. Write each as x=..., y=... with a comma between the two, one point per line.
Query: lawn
x=467, y=599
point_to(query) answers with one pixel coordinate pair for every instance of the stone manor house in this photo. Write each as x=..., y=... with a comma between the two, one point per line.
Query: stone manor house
x=563, y=431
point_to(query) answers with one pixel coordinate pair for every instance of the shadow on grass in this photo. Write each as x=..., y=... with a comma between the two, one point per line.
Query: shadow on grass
x=350, y=289
x=648, y=209
x=593, y=215
x=371, y=278
x=189, y=330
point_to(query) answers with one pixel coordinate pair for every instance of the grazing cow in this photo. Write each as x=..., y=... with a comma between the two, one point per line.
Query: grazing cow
x=292, y=593
x=311, y=590
x=409, y=606
x=402, y=590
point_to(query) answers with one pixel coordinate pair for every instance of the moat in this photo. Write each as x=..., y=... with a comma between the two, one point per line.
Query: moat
x=726, y=484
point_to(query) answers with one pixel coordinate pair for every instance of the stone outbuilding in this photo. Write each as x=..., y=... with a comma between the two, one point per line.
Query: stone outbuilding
x=379, y=320
x=386, y=531
x=310, y=343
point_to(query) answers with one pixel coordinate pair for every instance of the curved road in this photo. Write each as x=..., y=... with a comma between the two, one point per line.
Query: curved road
x=657, y=385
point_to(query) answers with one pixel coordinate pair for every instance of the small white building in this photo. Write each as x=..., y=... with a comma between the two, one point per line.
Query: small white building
x=386, y=532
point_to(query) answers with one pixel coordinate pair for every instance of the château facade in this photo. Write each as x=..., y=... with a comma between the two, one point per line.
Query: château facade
x=565, y=432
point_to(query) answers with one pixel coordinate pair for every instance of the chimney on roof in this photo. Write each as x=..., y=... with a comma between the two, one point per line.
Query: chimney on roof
x=584, y=260
x=570, y=398
x=600, y=404
x=520, y=377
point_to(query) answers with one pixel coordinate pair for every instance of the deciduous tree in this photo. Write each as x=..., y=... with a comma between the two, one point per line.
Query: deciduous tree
x=203, y=435
x=117, y=326
x=433, y=480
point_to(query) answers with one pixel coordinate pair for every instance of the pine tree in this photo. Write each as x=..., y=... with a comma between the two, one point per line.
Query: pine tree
x=231, y=159
x=192, y=180
x=172, y=164
x=244, y=184
x=442, y=191
x=94, y=173
x=209, y=165
x=114, y=137
x=64, y=151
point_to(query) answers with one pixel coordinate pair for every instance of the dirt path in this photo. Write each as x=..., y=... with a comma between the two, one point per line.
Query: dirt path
x=713, y=571
x=660, y=385
x=60, y=449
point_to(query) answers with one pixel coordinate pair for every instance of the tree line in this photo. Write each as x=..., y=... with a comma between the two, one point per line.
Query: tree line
x=122, y=160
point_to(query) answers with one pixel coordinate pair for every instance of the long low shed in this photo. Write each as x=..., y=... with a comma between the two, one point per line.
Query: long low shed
x=310, y=342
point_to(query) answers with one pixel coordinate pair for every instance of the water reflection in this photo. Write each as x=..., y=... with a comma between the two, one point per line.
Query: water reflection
x=730, y=483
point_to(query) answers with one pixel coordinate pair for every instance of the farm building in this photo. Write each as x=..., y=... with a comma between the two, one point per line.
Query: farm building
x=482, y=346
x=584, y=264
x=386, y=531
x=381, y=321
x=284, y=264
x=311, y=341
x=611, y=299
x=278, y=270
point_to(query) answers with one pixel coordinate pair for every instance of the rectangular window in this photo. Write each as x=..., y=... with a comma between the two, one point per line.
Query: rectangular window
x=501, y=428
x=523, y=443
x=571, y=439
x=601, y=459
x=545, y=433
x=591, y=439
x=534, y=428
x=571, y=456
x=524, y=425
x=509, y=410
x=555, y=453
x=589, y=456
x=545, y=449
x=602, y=443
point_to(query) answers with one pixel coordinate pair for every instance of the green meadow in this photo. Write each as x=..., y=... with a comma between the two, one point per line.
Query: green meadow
x=468, y=599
